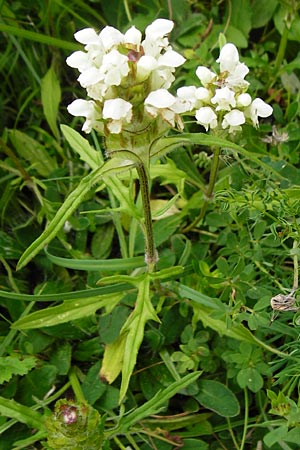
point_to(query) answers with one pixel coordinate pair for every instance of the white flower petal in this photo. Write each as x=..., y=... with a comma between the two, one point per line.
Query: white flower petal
x=224, y=98
x=160, y=98
x=111, y=37
x=133, y=36
x=158, y=29
x=234, y=118
x=145, y=65
x=81, y=107
x=205, y=75
x=171, y=59
x=229, y=57
x=243, y=99
x=78, y=60
x=207, y=117
x=116, y=109
x=87, y=36
x=90, y=77
x=258, y=108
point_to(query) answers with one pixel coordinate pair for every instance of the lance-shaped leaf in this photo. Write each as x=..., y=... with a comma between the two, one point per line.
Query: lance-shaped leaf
x=69, y=310
x=14, y=410
x=69, y=206
x=153, y=406
x=126, y=347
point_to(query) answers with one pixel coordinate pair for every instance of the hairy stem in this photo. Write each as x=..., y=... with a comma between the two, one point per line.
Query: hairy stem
x=151, y=256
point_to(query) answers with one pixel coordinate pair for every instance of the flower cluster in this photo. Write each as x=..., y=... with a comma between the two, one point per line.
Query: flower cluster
x=127, y=79
x=222, y=101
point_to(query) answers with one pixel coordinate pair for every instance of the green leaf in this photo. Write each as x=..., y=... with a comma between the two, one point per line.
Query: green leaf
x=33, y=151
x=42, y=38
x=262, y=12
x=69, y=310
x=235, y=331
x=81, y=146
x=153, y=406
x=103, y=265
x=218, y=398
x=14, y=410
x=15, y=365
x=92, y=386
x=68, y=207
x=250, y=378
x=51, y=95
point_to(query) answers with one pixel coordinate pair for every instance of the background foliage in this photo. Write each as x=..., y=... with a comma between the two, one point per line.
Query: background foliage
x=215, y=316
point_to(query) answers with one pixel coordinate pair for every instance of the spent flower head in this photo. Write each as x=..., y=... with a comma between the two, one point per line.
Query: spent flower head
x=222, y=103
x=127, y=80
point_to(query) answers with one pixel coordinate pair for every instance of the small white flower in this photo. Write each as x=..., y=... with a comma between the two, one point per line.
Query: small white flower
x=170, y=59
x=79, y=60
x=111, y=37
x=224, y=98
x=145, y=65
x=114, y=68
x=258, y=108
x=205, y=75
x=207, y=117
x=229, y=58
x=86, y=108
x=164, y=104
x=133, y=36
x=159, y=29
x=119, y=112
x=233, y=120
x=88, y=36
x=243, y=99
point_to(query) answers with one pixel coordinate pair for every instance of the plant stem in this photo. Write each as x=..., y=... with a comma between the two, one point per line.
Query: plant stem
x=296, y=267
x=281, y=50
x=76, y=386
x=210, y=188
x=151, y=256
x=246, y=419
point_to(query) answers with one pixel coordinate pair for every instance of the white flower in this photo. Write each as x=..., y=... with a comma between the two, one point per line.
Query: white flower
x=133, y=36
x=88, y=36
x=243, y=99
x=229, y=58
x=114, y=68
x=233, y=120
x=205, y=75
x=224, y=98
x=170, y=59
x=86, y=108
x=145, y=65
x=207, y=117
x=111, y=37
x=258, y=108
x=79, y=60
x=229, y=62
x=119, y=112
x=164, y=104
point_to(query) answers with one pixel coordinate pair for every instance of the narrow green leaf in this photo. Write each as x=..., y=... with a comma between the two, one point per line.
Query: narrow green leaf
x=211, y=141
x=68, y=207
x=134, y=330
x=81, y=146
x=103, y=265
x=69, y=310
x=14, y=410
x=235, y=331
x=79, y=295
x=154, y=405
x=217, y=397
x=33, y=152
x=39, y=37
x=51, y=95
